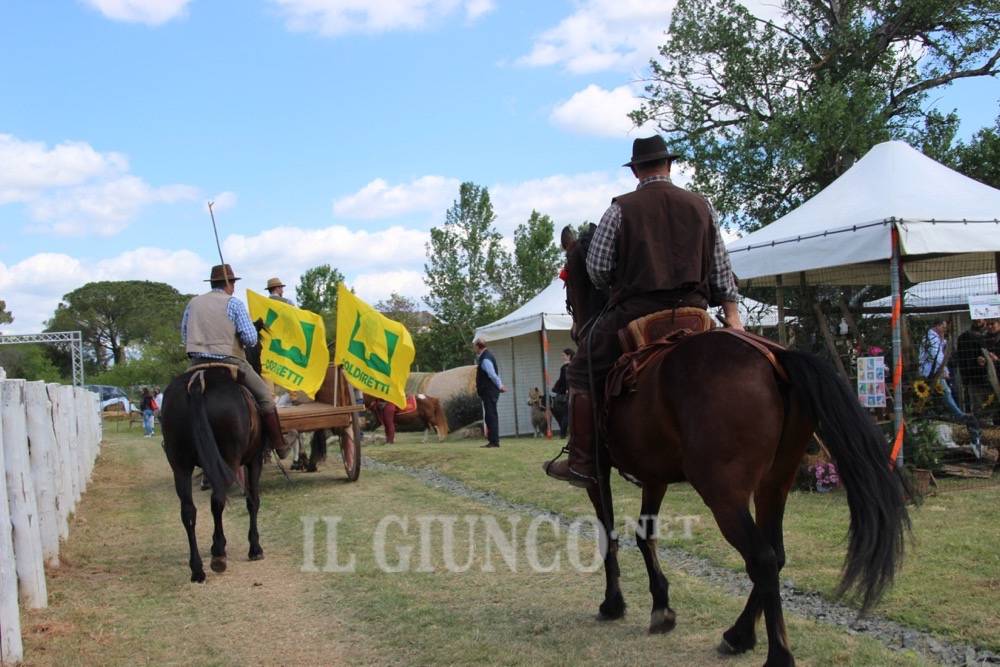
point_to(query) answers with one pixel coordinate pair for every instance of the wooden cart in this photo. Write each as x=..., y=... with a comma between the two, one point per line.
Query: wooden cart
x=334, y=409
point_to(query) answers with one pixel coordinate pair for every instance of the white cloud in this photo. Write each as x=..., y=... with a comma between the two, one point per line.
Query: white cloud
x=103, y=209
x=72, y=189
x=333, y=18
x=28, y=166
x=224, y=201
x=603, y=35
x=379, y=200
x=378, y=286
x=599, y=112
x=150, y=12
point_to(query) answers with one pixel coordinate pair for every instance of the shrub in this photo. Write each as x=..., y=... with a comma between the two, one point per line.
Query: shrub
x=462, y=410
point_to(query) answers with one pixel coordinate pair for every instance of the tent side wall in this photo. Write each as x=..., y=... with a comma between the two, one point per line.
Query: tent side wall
x=520, y=361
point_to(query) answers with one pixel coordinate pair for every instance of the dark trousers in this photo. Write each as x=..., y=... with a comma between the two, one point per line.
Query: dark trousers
x=490, y=417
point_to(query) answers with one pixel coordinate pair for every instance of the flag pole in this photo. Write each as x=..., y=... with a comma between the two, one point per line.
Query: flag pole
x=218, y=247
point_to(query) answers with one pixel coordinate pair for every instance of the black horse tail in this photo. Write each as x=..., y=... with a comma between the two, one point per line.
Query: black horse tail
x=875, y=494
x=218, y=473
x=317, y=450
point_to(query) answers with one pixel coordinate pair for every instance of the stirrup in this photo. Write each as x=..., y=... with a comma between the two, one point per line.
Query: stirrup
x=559, y=454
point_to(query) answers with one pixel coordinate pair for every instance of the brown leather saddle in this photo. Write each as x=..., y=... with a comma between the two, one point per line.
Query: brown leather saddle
x=650, y=338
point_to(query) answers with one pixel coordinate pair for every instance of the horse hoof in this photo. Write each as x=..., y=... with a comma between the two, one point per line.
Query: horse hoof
x=611, y=610
x=258, y=556
x=732, y=644
x=198, y=577
x=662, y=621
x=218, y=564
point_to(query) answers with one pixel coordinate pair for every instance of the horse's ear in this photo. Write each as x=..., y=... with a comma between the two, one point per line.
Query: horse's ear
x=568, y=238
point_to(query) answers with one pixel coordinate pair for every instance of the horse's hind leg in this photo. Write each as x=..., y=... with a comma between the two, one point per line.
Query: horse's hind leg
x=189, y=514
x=613, y=606
x=253, y=506
x=218, y=563
x=662, y=618
x=761, y=561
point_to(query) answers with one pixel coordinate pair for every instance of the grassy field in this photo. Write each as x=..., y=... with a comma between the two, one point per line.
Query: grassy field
x=949, y=585
x=122, y=595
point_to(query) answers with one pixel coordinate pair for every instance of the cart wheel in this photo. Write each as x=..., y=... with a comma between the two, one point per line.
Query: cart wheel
x=350, y=448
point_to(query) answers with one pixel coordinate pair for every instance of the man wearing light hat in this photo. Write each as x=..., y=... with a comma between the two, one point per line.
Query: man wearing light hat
x=656, y=248
x=276, y=289
x=216, y=327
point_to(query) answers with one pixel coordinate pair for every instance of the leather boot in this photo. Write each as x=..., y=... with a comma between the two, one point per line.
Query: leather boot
x=578, y=467
x=272, y=430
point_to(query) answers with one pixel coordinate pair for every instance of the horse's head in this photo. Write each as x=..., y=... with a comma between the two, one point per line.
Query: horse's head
x=583, y=300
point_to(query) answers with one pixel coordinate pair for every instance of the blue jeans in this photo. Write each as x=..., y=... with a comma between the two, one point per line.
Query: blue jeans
x=147, y=421
x=970, y=420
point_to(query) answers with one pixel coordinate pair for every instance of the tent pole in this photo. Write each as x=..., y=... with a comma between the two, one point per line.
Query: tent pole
x=896, y=458
x=545, y=379
x=779, y=290
x=513, y=386
x=996, y=268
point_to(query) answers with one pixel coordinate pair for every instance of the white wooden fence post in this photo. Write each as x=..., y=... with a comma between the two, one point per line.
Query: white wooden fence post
x=64, y=479
x=80, y=439
x=21, y=496
x=11, y=648
x=44, y=467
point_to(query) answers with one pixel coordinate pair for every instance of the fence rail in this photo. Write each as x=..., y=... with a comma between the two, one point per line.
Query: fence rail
x=50, y=437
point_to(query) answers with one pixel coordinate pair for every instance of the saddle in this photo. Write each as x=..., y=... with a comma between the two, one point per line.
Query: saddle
x=411, y=406
x=650, y=338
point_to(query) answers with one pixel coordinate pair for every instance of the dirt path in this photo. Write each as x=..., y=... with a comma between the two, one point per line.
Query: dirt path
x=122, y=594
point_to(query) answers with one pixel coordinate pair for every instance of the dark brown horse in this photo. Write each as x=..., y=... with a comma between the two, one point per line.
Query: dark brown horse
x=211, y=421
x=714, y=413
x=427, y=415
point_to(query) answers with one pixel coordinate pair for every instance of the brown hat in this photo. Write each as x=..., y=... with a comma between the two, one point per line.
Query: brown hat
x=274, y=282
x=649, y=149
x=222, y=272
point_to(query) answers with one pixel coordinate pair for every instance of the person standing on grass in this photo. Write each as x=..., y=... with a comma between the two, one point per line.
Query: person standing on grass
x=146, y=406
x=560, y=393
x=933, y=357
x=489, y=386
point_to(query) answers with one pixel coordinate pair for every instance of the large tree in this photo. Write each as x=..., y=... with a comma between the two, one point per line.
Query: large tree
x=116, y=315
x=5, y=315
x=405, y=311
x=466, y=273
x=317, y=291
x=536, y=256
x=769, y=110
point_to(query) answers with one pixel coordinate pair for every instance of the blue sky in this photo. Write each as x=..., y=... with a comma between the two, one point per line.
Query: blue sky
x=327, y=131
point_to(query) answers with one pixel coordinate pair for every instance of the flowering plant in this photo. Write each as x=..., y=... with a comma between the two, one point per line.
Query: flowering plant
x=875, y=351
x=826, y=475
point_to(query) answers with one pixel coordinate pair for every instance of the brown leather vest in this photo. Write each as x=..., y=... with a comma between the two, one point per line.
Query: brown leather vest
x=664, y=245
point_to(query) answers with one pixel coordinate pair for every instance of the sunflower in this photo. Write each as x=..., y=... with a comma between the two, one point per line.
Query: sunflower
x=921, y=389
x=939, y=387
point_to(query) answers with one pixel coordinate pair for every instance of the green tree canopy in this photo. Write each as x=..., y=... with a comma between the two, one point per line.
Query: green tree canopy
x=5, y=315
x=466, y=273
x=317, y=292
x=537, y=258
x=403, y=310
x=769, y=111
x=114, y=315
x=980, y=158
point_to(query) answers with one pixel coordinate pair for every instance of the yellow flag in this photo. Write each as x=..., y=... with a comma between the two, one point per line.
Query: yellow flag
x=376, y=352
x=294, y=353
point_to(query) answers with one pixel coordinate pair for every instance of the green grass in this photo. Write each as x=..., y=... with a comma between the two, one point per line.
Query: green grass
x=123, y=596
x=949, y=583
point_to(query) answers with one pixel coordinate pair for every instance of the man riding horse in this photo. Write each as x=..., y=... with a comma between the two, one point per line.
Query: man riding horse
x=656, y=248
x=215, y=328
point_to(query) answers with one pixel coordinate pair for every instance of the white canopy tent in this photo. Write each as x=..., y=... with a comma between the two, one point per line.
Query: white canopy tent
x=842, y=235
x=943, y=293
x=895, y=211
x=519, y=339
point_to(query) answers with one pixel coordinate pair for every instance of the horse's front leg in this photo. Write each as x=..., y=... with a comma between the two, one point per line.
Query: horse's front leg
x=662, y=618
x=613, y=606
x=189, y=513
x=253, y=505
x=218, y=563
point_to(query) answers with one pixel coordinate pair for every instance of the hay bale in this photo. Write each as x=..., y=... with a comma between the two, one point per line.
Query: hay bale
x=446, y=384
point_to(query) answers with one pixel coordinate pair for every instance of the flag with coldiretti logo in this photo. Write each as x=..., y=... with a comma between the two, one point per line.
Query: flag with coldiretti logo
x=293, y=349
x=376, y=352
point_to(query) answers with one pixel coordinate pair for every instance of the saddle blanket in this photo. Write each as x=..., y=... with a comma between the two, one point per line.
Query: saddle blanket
x=411, y=406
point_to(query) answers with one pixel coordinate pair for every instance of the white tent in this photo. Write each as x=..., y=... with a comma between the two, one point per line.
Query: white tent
x=940, y=293
x=842, y=235
x=517, y=342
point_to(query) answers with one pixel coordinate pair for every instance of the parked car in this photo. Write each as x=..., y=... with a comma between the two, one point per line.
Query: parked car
x=111, y=395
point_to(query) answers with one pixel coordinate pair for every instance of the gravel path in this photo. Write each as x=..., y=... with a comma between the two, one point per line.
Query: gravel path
x=806, y=604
